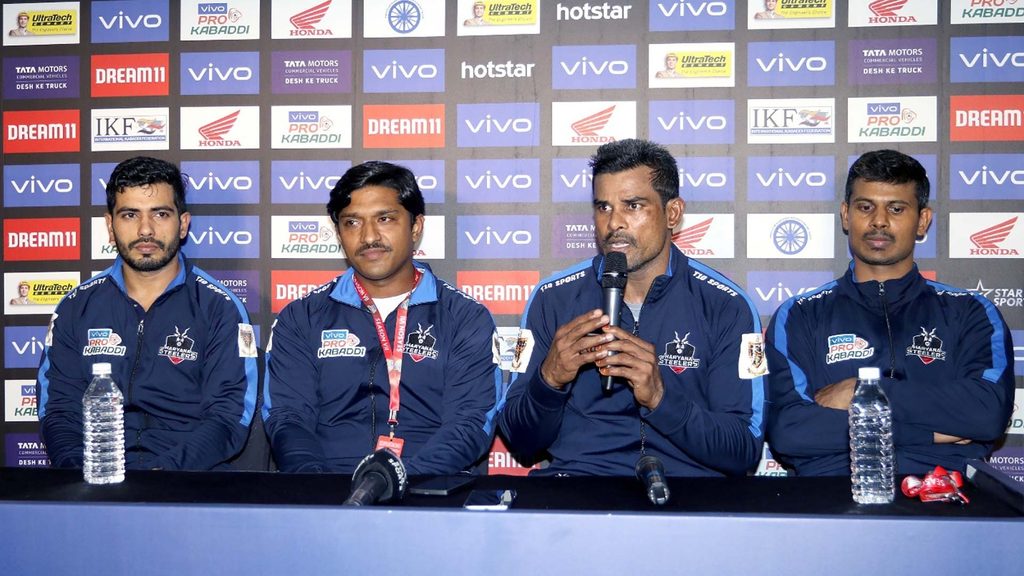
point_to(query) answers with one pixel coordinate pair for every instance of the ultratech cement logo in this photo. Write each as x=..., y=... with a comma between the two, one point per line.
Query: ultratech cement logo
x=36, y=292
x=592, y=123
x=403, y=126
x=127, y=129
x=927, y=346
x=842, y=347
x=179, y=347
x=103, y=342
x=234, y=20
x=116, y=75
x=219, y=127
x=499, y=17
x=706, y=236
x=985, y=11
x=295, y=127
x=419, y=344
x=711, y=64
x=986, y=118
x=679, y=355
x=32, y=131
x=289, y=285
x=339, y=343
x=41, y=239
x=905, y=119
x=502, y=292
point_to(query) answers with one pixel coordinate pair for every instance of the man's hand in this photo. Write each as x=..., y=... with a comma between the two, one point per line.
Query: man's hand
x=940, y=438
x=838, y=395
x=573, y=346
x=636, y=362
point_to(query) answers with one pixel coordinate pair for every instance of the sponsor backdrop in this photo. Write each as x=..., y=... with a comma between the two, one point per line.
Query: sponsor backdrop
x=496, y=106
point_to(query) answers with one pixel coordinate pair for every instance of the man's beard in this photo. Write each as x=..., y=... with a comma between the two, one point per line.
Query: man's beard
x=150, y=263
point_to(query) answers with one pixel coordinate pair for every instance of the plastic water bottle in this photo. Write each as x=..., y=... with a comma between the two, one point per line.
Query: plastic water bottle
x=871, y=451
x=103, y=410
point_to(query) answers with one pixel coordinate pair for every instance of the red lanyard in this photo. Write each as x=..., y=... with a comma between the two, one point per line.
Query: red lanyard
x=392, y=354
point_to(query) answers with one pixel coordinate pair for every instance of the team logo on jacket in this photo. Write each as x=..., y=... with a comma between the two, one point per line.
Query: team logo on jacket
x=679, y=355
x=927, y=346
x=847, y=347
x=420, y=344
x=339, y=342
x=103, y=342
x=178, y=347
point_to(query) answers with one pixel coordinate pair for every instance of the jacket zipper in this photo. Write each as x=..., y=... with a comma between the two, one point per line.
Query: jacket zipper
x=131, y=379
x=888, y=329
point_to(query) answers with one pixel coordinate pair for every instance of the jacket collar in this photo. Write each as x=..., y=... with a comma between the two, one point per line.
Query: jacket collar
x=425, y=291
x=897, y=290
x=116, y=273
x=677, y=261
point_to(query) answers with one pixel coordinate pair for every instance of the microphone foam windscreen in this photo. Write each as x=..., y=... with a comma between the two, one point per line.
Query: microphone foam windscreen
x=614, y=270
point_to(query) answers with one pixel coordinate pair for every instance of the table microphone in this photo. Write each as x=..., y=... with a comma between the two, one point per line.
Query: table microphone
x=379, y=478
x=650, y=471
x=613, y=283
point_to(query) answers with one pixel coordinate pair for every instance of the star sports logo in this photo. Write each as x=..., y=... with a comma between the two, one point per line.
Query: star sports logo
x=587, y=128
x=687, y=239
x=213, y=133
x=988, y=240
x=305, y=22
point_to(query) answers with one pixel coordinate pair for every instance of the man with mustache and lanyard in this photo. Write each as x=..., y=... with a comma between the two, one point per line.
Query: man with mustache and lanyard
x=944, y=353
x=346, y=375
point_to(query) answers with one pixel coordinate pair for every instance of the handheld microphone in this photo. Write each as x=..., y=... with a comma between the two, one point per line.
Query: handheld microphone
x=613, y=283
x=379, y=478
x=650, y=471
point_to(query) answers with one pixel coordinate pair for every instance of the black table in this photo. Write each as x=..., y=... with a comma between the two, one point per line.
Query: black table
x=263, y=523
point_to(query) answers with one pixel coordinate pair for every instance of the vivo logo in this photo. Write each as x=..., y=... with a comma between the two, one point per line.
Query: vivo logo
x=684, y=8
x=710, y=179
x=585, y=66
x=490, y=125
x=490, y=181
x=211, y=73
x=425, y=182
x=303, y=182
x=491, y=237
x=396, y=71
x=887, y=108
x=219, y=8
x=781, y=178
x=33, y=347
x=986, y=59
x=214, y=183
x=684, y=121
x=985, y=176
x=780, y=292
x=583, y=180
x=301, y=116
x=122, y=21
x=303, y=226
x=34, y=185
x=781, y=63
x=211, y=237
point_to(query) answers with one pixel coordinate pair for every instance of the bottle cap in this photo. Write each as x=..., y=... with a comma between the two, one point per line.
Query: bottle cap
x=868, y=373
x=101, y=368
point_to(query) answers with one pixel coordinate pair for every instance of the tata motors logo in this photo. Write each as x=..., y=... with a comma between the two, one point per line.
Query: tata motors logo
x=894, y=13
x=572, y=236
x=129, y=129
x=27, y=239
x=985, y=11
x=115, y=75
x=220, y=73
x=987, y=59
x=792, y=236
x=592, y=123
x=494, y=180
x=905, y=119
x=985, y=235
x=220, y=127
x=808, y=63
x=130, y=21
x=309, y=19
x=986, y=118
x=303, y=237
x=40, y=77
x=33, y=131
x=404, y=19
x=686, y=15
x=311, y=127
x=484, y=125
x=41, y=185
x=288, y=285
x=502, y=292
x=403, y=126
x=807, y=120
x=706, y=236
x=593, y=67
x=769, y=289
x=223, y=237
x=234, y=20
x=693, y=121
x=311, y=72
x=903, y=61
x=498, y=237
x=399, y=71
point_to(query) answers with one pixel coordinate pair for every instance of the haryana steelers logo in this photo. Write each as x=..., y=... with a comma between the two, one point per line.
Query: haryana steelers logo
x=404, y=16
x=679, y=354
x=420, y=344
x=178, y=347
x=790, y=236
x=927, y=346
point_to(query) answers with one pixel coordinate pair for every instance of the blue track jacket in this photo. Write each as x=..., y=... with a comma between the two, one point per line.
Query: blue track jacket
x=948, y=368
x=326, y=403
x=710, y=421
x=186, y=368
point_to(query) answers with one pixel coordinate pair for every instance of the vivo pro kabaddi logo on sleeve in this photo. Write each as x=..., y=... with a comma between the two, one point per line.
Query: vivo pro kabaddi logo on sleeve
x=339, y=343
x=103, y=342
x=842, y=347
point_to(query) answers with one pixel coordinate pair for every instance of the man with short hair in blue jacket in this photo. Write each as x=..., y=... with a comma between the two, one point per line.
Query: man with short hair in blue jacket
x=384, y=356
x=687, y=355
x=179, y=343
x=945, y=353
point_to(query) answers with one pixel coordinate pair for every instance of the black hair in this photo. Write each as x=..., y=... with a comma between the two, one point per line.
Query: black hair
x=622, y=155
x=377, y=173
x=144, y=171
x=891, y=167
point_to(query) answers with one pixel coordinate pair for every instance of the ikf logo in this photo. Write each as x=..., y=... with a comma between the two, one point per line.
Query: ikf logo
x=233, y=20
x=692, y=121
x=220, y=73
x=303, y=237
x=41, y=185
x=31, y=239
x=903, y=61
x=20, y=401
x=40, y=77
x=707, y=178
x=706, y=236
x=792, y=236
x=571, y=180
x=804, y=120
x=593, y=67
x=483, y=125
x=223, y=182
x=986, y=235
x=986, y=118
x=809, y=63
x=979, y=12
x=592, y=123
x=403, y=126
x=986, y=176
x=116, y=75
x=309, y=19
x=31, y=131
x=223, y=237
x=790, y=178
x=903, y=119
x=986, y=59
x=498, y=180
x=23, y=346
x=288, y=285
x=879, y=13
x=403, y=19
x=502, y=292
x=304, y=182
x=703, y=65
x=294, y=127
x=400, y=71
x=498, y=237
x=130, y=21
x=687, y=15
x=770, y=289
x=129, y=129
x=220, y=127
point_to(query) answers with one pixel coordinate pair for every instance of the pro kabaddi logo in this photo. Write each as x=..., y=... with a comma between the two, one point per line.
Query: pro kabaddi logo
x=420, y=344
x=679, y=355
x=847, y=347
x=339, y=342
x=927, y=346
x=178, y=347
x=103, y=342
x=305, y=22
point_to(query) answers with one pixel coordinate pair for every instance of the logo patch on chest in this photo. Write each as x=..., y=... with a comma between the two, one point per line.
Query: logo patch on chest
x=926, y=346
x=679, y=355
x=103, y=342
x=178, y=347
x=420, y=344
x=339, y=342
x=843, y=347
